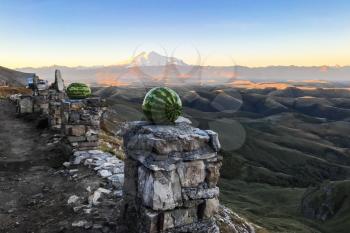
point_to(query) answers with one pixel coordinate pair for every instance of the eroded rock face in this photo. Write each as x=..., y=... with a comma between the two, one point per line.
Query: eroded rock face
x=176, y=168
x=324, y=201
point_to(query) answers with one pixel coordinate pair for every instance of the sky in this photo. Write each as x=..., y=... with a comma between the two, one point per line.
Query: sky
x=36, y=33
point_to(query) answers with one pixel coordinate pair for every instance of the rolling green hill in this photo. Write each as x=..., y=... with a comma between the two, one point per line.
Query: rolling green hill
x=277, y=146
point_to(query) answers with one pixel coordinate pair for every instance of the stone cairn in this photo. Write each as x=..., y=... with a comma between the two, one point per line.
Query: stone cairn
x=81, y=122
x=40, y=97
x=56, y=94
x=171, y=173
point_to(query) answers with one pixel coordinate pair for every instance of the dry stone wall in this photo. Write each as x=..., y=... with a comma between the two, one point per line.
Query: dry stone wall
x=171, y=175
x=33, y=104
x=81, y=122
x=41, y=104
x=55, y=119
x=24, y=104
x=44, y=100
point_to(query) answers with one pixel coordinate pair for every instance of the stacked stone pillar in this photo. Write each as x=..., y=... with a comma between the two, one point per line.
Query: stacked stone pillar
x=55, y=120
x=55, y=100
x=171, y=175
x=81, y=122
x=40, y=99
x=41, y=104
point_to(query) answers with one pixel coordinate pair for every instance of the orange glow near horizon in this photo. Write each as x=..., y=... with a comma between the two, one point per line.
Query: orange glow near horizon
x=106, y=79
x=244, y=60
x=252, y=85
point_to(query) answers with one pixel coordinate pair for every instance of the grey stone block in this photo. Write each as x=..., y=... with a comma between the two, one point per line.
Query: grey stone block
x=159, y=190
x=191, y=173
x=199, y=193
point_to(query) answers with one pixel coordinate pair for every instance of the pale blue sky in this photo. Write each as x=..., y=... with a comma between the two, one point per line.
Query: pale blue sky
x=105, y=32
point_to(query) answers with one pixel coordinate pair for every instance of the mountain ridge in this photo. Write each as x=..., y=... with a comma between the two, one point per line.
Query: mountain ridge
x=215, y=75
x=152, y=56
x=13, y=77
x=151, y=67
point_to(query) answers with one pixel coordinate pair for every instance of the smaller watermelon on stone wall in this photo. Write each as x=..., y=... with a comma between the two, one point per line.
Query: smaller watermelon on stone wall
x=162, y=105
x=78, y=91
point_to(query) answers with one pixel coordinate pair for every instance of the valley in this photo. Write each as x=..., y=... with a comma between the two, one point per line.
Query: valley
x=278, y=145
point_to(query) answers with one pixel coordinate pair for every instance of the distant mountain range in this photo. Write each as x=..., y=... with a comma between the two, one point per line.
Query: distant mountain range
x=155, y=69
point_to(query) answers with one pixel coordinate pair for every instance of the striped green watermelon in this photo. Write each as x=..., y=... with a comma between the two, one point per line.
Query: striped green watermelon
x=78, y=91
x=162, y=105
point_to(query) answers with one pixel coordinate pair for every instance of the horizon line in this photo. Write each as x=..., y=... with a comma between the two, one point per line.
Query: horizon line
x=125, y=65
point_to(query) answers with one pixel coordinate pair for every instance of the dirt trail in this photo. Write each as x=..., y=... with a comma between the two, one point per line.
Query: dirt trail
x=21, y=144
x=33, y=191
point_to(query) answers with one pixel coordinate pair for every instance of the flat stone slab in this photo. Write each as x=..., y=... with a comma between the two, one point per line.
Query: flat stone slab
x=199, y=193
x=105, y=164
x=168, y=139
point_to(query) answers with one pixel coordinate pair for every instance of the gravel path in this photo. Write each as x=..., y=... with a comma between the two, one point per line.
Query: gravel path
x=35, y=187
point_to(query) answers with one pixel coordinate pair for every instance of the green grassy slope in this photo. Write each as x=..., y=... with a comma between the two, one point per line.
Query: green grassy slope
x=274, y=149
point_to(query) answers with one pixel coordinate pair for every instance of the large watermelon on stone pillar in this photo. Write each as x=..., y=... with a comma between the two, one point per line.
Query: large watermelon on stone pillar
x=78, y=91
x=162, y=105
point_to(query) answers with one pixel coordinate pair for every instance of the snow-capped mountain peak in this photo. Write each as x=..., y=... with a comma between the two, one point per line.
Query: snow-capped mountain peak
x=155, y=59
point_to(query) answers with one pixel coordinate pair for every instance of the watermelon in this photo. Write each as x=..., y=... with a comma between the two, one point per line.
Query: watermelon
x=78, y=91
x=162, y=105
